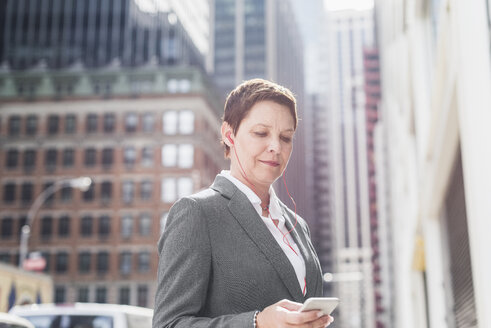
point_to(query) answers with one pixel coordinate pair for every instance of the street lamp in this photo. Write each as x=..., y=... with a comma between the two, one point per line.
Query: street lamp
x=342, y=276
x=82, y=183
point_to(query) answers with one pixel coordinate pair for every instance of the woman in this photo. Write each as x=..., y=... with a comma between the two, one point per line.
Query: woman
x=234, y=255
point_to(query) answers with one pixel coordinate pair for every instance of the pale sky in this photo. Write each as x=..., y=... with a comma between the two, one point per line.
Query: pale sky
x=348, y=4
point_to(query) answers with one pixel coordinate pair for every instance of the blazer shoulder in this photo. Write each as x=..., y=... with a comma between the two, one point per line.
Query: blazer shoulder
x=205, y=196
x=203, y=200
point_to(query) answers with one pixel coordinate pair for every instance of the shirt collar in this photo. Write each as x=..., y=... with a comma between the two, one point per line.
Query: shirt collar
x=274, y=206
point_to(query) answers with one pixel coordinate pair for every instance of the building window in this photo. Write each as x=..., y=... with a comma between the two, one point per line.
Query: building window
x=29, y=159
x=5, y=258
x=50, y=158
x=60, y=296
x=145, y=225
x=68, y=157
x=53, y=124
x=168, y=190
x=88, y=195
x=86, y=226
x=14, y=125
x=107, y=157
x=84, y=262
x=12, y=158
x=64, y=226
x=126, y=226
x=91, y=123
x=146, y=190
x=106, y=191
x=148, y=122
x=7, y=228
x=124, y=295
x=70, y=123
x=172, y=189
x=169, y=122
x=147, y=157
x=169, y=155
x=9, y=193
x=142, y=296
x=109, y=122
x=125, y=263
x=144, y=261
x=102, y=262
x=100, y=295
x=184, y=187
x=186, y=156
x=178, y=155
x=83, y=294
x=66, y=194
x=130, y=122
x=47, y=257
x=174, y=85
x=163, y=221
x=61, y=262
x=31, y=125
x=46, y=227
x=129, y=156
x=186, y=122
x=104, y=226
x=128, y=191
x=26, y=192
x=90, y=157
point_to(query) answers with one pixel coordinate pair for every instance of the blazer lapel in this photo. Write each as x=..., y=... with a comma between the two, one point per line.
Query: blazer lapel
x=311, y=267
x=245, y=214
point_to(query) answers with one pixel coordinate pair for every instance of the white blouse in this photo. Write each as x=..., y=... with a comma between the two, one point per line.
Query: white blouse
x=293, y=252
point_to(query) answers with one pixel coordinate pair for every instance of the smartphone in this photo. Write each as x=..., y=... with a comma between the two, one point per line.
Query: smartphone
x=324, y=304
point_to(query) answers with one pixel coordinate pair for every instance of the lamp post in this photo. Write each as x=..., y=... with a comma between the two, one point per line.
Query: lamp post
x=342, y=276
x=82, y=183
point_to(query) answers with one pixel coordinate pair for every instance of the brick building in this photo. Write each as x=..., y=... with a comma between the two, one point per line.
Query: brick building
x=145, y=137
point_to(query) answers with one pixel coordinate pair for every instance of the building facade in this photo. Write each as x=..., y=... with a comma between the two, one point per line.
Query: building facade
x=347, y=34
x=434, y=123
x=382, y=265
x=92, y=34
x=154, y=137
x=322, y=227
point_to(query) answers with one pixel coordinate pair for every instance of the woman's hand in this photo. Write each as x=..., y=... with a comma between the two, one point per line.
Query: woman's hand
x=285, y=314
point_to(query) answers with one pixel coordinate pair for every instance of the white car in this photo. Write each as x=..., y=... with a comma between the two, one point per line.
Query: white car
x=8, y=320
x=85, y=315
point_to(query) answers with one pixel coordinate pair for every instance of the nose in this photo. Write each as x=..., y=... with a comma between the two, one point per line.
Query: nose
x=274, y=145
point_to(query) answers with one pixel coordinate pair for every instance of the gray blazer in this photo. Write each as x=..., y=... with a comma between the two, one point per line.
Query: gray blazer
x=219, y=262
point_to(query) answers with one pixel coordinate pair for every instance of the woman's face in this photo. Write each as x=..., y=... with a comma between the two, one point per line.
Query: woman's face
x=263, y=143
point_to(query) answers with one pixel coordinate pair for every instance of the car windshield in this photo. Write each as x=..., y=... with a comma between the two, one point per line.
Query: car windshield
x=71, y=321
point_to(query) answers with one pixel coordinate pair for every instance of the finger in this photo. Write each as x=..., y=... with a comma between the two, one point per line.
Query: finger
x=289, y=305
x=322, y=322
x=299, y=318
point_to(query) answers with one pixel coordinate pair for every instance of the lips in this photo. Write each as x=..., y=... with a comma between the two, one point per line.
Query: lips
x=271, y=163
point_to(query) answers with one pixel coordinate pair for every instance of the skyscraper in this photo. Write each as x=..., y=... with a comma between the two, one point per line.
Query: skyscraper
x=347, y=33
x=94, y=34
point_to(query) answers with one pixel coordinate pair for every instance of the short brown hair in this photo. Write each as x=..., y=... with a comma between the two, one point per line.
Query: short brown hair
x=240, y=101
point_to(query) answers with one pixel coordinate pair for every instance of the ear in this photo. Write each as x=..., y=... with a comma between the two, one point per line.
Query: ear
x=227, y=134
